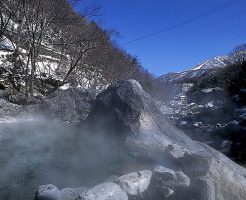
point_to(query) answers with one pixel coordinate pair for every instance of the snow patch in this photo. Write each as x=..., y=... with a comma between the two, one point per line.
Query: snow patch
x=65, y=86
x=208, y=90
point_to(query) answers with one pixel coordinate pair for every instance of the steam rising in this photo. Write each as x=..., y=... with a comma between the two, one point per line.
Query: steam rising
x=45, y=151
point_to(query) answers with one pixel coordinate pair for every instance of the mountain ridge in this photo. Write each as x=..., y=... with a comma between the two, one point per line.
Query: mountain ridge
x=197, y=70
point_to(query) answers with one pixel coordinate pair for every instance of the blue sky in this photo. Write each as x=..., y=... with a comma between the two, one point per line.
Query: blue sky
x=180, y=48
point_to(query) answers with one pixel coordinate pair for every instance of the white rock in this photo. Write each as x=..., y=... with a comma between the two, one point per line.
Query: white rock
x=135, y=183
x=162, y=169
x=104, y=191
x=71, y=193
x=48, y=192
x=171, y=178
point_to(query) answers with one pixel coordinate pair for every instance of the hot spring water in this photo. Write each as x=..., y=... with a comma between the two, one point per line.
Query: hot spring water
x=38, y=152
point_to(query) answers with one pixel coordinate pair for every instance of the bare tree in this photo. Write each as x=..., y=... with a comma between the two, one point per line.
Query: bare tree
x=8, y=10
x=239, y=54
x=40, y=19
x=78, y=41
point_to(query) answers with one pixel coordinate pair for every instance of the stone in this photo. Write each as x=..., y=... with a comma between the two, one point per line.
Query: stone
x=170, y=178
x=196, y=164
x=48, y=192
x=71, y=193
x=161, y=170
x=181, y=179
x=135, y=183
x=72, y=104
x=166, y=192
x=175, y=151
x=104, y=191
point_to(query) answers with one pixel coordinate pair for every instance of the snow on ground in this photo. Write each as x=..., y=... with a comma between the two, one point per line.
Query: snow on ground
x=208, y=90
x=65, y=86
x=210, y=104
x=48, y=65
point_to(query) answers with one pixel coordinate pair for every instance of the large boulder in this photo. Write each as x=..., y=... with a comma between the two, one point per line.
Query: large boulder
x=73, y=104
x=128, y=110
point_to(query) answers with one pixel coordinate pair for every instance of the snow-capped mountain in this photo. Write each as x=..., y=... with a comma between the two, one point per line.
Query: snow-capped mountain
x=219, y=61
x=198, y=70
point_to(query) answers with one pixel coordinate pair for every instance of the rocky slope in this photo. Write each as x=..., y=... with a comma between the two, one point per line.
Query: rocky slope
x=171, y=165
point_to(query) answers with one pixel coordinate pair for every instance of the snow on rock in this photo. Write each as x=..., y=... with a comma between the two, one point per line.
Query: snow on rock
x=135, y=183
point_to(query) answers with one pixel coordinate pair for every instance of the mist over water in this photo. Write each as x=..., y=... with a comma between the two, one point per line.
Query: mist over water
x=44, y=151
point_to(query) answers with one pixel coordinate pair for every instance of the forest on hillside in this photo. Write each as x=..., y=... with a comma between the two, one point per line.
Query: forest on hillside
x=46, y=44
